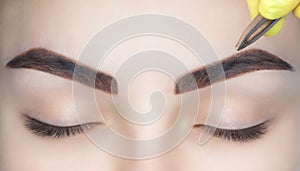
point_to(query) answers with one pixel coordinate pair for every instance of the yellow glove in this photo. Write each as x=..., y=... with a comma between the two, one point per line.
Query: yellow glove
x=273, y=9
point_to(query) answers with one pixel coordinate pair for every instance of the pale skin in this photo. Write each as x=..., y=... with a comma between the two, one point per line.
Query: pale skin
x=66, y=26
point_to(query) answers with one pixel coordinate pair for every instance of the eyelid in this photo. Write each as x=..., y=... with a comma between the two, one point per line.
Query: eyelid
x=232, y=127
x=44, y=129
x=54, y=125
x=238, y=135
x=60, y=124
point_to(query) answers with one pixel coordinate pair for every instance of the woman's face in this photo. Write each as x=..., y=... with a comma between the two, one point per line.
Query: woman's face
x=260, y=114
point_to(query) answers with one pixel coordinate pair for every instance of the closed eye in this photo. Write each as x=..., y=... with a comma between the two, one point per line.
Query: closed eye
x=43, y=129
x=238, y=135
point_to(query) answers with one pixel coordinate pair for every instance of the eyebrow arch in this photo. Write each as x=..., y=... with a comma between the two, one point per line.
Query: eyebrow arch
x=235, y=65
x=56, y=64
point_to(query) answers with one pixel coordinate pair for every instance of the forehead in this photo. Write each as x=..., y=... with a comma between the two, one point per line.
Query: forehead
x=66, y=26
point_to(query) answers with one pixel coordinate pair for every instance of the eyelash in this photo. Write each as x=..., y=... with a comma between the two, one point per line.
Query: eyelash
x=239, y=135
x=46, y=130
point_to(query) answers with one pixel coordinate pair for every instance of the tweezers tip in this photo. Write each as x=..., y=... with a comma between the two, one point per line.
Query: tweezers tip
x=242, y=45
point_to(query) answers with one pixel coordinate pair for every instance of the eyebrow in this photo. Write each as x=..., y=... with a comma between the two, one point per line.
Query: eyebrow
x=235, y=65
x=50, y=62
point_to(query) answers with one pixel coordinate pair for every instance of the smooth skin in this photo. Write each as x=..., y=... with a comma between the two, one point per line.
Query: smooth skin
x=66, y=26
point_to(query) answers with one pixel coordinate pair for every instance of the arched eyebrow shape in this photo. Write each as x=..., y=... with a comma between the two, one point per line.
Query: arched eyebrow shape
x=235, y=65
x=53, y=63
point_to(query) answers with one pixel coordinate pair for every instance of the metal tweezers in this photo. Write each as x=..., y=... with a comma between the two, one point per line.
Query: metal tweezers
x=256, y=29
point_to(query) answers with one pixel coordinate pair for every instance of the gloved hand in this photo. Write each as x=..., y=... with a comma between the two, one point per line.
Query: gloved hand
x=273, y=9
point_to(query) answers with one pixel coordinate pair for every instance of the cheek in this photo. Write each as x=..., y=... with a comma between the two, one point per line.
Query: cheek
x=281, y=146
x=33, y=154
x=276, y=150
x=22, y=150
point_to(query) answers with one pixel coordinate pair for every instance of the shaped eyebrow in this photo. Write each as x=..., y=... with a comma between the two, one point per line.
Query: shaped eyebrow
x=50, y=62
x=240, y=63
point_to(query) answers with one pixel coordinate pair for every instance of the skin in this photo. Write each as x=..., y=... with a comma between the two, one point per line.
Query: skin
x=66, y=26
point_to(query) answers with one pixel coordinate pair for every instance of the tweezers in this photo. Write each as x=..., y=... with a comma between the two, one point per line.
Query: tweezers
x=256, y=29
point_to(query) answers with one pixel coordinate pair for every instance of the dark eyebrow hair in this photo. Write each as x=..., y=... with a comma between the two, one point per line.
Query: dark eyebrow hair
x=240, y=63
x=50, y=62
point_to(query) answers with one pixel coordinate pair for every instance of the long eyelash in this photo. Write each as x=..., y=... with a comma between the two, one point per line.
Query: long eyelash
x=46, y=130
x=240, y=135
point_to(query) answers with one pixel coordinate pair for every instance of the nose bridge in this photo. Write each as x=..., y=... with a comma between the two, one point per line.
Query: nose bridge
x=186, y=156
x=139, y=93
x=140, y=96
x=159, y=164
x=144, y=85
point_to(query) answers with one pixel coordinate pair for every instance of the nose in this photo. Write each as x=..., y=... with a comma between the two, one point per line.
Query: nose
x=151, y=96
x=135, y=139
